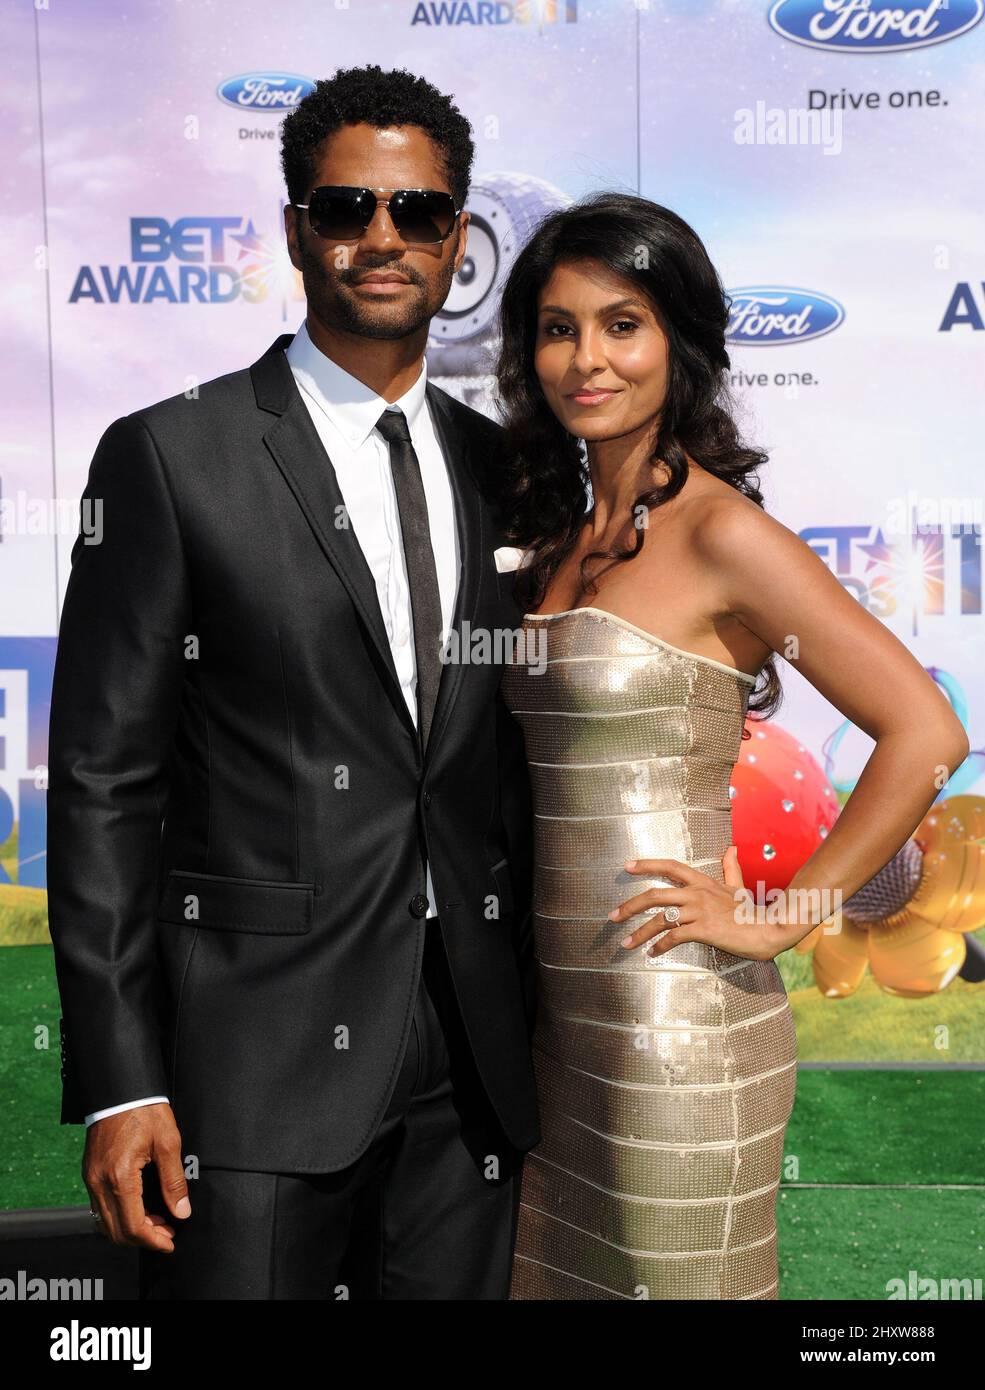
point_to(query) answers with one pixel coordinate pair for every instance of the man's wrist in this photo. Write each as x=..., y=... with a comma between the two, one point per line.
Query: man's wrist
x=127, y=1105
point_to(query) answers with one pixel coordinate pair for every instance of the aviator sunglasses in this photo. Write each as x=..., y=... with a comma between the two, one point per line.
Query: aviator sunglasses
x=340, y=213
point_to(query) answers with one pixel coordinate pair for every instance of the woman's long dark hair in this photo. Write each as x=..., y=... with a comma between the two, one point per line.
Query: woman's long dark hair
x=543, y=504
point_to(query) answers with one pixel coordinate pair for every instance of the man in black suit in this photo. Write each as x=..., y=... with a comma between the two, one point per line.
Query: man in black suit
x=289, y=840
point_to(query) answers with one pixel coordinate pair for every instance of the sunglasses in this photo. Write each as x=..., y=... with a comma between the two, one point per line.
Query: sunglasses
x=340, y=213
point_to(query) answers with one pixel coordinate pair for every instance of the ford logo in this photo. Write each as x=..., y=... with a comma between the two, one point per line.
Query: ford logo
x=856, y=26
x=766, y=315
x=265, y=91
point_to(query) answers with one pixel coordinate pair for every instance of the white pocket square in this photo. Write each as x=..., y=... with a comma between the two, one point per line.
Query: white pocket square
x=511, y=557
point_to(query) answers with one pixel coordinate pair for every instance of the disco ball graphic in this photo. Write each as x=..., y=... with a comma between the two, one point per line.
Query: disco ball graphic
x=504, y=210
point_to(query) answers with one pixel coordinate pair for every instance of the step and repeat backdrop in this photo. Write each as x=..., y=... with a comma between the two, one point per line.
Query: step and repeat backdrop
x=828, y=154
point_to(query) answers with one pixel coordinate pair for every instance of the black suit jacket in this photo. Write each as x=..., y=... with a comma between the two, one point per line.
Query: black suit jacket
x=237, y=794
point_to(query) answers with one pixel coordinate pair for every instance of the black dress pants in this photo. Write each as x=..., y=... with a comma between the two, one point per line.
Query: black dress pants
x=422, y=1214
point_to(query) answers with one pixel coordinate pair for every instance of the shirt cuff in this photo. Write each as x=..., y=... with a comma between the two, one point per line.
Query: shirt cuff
x=127, y=1105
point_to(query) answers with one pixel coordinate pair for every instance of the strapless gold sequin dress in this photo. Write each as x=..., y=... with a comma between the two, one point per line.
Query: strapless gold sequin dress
x=665, y=1083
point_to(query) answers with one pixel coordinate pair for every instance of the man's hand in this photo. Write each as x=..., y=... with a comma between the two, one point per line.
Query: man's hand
x=117, y=1150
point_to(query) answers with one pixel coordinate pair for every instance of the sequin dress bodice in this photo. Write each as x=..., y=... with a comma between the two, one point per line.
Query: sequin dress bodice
x=665, y=1083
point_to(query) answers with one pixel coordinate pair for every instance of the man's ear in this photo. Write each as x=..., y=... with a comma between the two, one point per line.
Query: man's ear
x=292, y=232
x=463, y=222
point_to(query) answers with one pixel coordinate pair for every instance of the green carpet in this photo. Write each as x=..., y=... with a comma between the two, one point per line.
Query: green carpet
x=891, y=1133
x=850, y=1244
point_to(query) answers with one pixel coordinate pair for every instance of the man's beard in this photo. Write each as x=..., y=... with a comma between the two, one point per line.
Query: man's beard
x=339, y=308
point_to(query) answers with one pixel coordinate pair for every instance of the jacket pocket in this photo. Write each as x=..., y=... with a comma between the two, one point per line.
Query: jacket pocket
x=263, y=906
x=504, y=887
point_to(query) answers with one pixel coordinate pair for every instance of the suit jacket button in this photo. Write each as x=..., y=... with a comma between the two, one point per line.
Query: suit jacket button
x=418, y=905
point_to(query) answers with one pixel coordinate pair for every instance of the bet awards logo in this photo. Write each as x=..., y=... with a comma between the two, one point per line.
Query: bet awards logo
x=537, y=13
x=203, y=260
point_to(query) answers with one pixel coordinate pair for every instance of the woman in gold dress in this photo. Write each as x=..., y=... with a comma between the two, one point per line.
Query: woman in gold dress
x=654, y=606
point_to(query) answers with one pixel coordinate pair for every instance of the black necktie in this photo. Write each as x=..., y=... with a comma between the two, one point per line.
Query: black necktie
x=425, y=599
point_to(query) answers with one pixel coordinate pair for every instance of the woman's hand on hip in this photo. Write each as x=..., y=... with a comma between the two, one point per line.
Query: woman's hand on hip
x=723, y=915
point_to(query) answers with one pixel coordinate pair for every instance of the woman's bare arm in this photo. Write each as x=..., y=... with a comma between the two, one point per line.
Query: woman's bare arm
x=774, y=584
x=784, y=593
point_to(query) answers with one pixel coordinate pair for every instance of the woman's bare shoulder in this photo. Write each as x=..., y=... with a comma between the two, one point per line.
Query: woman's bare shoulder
x=723, y=518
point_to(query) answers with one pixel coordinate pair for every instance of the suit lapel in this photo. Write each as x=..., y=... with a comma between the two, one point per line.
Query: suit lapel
x=308, y=470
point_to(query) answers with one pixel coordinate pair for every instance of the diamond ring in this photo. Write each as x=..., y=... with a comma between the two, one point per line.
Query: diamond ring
x=672, y=914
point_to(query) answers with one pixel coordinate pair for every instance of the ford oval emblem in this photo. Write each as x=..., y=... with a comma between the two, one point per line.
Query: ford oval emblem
x=846, y=26
x=265, y=91
x=769, y=315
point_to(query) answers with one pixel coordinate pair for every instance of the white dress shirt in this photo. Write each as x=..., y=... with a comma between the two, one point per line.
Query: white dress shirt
x=344, y=411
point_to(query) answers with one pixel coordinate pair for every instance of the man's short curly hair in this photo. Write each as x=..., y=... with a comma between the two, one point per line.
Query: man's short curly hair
x=378, y=98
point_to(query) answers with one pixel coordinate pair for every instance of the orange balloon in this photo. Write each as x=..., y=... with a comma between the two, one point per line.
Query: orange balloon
x=840, y=959
x=915, y=959
x=951, y=892
x=808, y=942
x=955, y=819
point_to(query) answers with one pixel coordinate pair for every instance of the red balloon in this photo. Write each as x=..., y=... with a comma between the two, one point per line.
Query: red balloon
x=782, y=807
